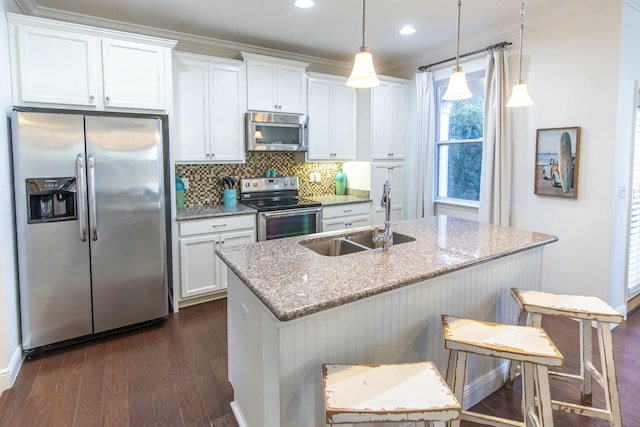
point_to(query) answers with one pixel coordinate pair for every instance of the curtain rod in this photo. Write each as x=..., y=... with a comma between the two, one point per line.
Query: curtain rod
x=491, y=48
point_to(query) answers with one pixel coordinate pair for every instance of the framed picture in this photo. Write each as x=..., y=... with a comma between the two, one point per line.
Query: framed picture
x=557, y=154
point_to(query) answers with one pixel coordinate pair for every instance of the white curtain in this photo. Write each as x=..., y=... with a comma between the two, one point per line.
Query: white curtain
x=495, y=181
x=424, y=149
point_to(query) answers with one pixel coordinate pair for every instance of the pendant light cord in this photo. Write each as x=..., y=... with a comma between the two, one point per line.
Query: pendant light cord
x=458, y=38
x=363, y=48
x=521, y=33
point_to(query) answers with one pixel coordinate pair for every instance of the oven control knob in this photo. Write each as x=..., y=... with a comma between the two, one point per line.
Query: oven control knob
x=286, y=182
x=248, y=184
x=255, y=184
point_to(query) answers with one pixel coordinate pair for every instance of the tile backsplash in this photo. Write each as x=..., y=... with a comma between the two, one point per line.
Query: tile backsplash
x=203, y=178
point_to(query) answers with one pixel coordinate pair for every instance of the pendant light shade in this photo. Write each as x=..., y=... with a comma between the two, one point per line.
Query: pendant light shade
x=363, y=74
x=519, y=94
x=458, y=88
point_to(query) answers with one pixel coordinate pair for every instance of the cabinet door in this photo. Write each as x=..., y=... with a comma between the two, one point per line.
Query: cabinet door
x=380, y=120
x=397, y=116
x=198, y=266
x=291, y=84
x=133, y=75
x=226, y=118
x=359, y=221
x=393, y=172
x=56, y=67
x=334, y=224
x=261, y=86
x=343, y=111
x=230, y=240
x=191, y=111
x=320, y=147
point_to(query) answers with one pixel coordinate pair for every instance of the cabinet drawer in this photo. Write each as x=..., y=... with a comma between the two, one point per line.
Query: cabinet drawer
x=346, y=210
x=216, y=225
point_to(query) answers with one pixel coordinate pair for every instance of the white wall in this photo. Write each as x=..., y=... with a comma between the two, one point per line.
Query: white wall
x=572, y=74
x=10, y=351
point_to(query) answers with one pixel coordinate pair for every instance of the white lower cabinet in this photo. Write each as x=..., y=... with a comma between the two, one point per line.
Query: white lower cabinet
x=382, y=172
x=201, y=270
x=340, y=217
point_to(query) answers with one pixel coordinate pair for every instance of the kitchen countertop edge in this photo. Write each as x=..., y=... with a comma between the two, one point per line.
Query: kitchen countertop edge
x=212, y=211
x=358, y=284
x=334, y=199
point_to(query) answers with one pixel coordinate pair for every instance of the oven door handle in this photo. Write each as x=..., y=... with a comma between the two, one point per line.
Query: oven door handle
x=291, y=212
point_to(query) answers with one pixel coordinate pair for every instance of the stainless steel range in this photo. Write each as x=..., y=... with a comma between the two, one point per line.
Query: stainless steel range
x=281, y=212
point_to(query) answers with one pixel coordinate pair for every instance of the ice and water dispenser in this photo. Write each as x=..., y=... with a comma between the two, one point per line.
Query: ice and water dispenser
x=51, y=199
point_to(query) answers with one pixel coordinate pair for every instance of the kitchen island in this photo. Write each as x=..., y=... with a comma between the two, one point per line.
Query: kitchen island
x=291, y=309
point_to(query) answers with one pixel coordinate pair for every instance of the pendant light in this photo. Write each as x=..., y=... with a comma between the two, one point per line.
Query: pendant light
x=363, y=74
x=457, y=88
x=520, y=95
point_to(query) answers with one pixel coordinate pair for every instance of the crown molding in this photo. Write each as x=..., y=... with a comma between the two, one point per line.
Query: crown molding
x=633, y=3
x=226, y=49
x=189, y=43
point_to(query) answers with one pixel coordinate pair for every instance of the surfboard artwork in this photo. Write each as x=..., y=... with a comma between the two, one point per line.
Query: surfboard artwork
x=556, y=168
x=564, y=162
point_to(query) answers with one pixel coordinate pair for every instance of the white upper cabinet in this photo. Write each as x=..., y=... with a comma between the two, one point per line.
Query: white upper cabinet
x=389, y=120
x=275, y=84
x=63, y=65
x=332, y=119
x=208, y=109
x=133, y=75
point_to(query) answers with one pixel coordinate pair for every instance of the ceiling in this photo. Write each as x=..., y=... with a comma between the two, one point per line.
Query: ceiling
x=329, y=30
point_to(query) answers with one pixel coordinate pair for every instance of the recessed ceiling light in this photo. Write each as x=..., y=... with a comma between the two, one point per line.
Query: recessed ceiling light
x=407, y=29
x=304, y=4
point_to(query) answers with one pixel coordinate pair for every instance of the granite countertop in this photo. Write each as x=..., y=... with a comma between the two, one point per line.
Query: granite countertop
x=212, y=211
x=334, y=199
x=293, y=281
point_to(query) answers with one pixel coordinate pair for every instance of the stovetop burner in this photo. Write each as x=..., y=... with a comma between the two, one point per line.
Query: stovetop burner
x=268, y=194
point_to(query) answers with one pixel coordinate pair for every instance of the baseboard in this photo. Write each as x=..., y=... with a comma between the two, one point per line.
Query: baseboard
x=476, y=391
x=237, y=413
x=8, y=376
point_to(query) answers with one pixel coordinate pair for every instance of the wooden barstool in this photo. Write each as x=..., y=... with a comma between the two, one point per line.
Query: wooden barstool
x=586, y=309
x=387, y=393
x=529, y=346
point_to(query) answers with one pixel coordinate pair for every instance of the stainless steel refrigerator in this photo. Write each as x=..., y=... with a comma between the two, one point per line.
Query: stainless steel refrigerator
x=91, y=223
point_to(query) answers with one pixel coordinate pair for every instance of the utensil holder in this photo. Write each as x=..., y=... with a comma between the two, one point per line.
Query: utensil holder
x=229, y=197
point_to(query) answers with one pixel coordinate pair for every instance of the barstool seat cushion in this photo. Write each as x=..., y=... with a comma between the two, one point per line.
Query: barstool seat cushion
x=576, y=306
x=394, y=392
x=522, y=343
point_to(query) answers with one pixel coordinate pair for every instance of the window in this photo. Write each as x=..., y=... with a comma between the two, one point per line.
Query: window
x=459, y=131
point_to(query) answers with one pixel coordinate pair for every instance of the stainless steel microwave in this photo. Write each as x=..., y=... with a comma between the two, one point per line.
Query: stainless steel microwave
x=276, y=131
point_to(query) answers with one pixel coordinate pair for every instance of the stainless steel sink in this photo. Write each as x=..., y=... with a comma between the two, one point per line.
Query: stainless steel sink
x=365, y=238
x=334, y=247
x=351, y=244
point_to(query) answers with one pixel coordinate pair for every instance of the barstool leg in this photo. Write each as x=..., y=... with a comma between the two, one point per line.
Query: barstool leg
x=513, y=365
x=545, y=410
x=455, y=377
x=528, y=401
x=586, y=358
x=609, y=371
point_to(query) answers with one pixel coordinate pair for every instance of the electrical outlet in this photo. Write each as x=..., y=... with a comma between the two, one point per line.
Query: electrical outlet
x=312, y=177
x=318, y=178
x=185, y=181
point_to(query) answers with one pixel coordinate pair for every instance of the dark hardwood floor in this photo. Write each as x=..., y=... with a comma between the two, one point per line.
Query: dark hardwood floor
x=176, y=375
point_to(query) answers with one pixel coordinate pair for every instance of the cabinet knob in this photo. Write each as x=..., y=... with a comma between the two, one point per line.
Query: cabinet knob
x=91, y=97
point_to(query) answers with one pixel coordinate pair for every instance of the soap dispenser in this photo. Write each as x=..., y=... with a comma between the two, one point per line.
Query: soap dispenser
x=341, y=183
x=179, y=192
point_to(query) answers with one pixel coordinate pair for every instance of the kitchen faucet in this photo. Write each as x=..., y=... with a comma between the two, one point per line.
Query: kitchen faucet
x=385, y=236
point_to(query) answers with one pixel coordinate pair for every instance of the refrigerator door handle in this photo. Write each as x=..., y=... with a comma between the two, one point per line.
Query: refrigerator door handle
x=81, y=197
x=91, y=186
